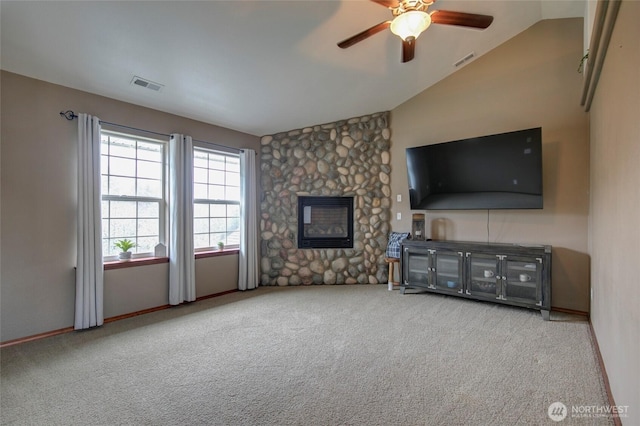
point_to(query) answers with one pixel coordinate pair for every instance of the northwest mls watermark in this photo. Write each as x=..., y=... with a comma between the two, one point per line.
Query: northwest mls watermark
x=558, y=411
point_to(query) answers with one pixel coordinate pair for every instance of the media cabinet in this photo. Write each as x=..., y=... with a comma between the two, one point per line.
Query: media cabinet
x=511, y=274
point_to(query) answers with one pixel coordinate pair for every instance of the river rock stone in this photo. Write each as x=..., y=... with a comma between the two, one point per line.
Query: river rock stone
x=345, y=158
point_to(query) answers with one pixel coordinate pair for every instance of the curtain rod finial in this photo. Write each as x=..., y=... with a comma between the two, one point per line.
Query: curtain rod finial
x=69, y=115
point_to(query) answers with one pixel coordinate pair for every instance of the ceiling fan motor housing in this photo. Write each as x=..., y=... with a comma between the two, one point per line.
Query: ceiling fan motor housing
x=409, y=5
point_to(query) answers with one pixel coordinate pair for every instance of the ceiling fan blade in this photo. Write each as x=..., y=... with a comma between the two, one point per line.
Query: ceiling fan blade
x=462, y=19
x=408, y=49
x=387, y=3
x=364, y=34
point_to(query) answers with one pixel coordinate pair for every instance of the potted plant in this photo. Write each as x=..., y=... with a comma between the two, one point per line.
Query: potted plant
x=220, y=245
x=124, y=245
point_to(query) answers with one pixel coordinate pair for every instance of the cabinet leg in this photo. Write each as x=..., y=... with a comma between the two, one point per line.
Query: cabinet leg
x=402, y=290
x=545, y=315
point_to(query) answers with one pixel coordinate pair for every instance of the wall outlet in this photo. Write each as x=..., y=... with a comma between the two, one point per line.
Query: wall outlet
x=399, y=198
x=398, y=216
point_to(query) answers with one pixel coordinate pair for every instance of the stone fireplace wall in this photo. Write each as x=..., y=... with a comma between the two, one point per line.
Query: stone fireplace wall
x=345, y=158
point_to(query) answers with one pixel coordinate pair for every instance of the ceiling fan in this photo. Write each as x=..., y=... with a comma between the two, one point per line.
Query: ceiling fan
x=411, y=19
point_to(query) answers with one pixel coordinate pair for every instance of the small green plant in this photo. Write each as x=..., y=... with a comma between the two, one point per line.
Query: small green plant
x=124, y=245
x=221, y=245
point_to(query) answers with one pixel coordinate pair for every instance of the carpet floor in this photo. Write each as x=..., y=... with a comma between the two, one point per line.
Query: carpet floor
x=317, y=355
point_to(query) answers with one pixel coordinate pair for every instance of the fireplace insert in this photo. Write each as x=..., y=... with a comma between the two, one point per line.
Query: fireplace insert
x=325, y=222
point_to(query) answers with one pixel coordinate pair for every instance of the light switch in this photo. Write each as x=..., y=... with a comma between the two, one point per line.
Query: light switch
x=398, y=216
x=399, y=198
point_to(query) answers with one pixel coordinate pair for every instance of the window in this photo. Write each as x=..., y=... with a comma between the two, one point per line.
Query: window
x=133, y=188
x=216, y=193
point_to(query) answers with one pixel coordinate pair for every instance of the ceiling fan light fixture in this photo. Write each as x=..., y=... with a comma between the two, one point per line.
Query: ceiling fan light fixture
x=410, y=24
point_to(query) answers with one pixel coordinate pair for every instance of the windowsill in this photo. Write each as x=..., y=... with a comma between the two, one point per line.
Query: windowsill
x=140, y=261
x=214, y=253
x=143, y=261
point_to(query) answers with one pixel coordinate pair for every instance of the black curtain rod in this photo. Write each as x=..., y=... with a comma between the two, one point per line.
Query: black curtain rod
x=70, y=115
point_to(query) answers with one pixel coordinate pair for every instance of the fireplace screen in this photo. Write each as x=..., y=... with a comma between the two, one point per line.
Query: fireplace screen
x=325, y=222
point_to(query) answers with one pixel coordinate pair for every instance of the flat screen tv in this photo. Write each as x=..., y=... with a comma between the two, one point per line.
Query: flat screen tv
x=501, y=171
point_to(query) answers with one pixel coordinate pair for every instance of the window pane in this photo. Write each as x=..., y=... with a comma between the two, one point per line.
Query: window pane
x=233, y=164
x=201, y=225
x=217, y=224
x=233, y=193
x=149, y=188
x=216, y=176
x=216, y=161
x=233, y=179
x=123, y=209
x=200, y=191
x=105, y=209
x=233, y=224
x=122, y=166
x=200, y=159
x=217, y=237
x=148, y=169
x=150, y=151
x=216, y=192
x=200, y=175
x=122, y=228
x=107, y=248
x=105, y=228
x=104, y=179
x=233, y=238
x=218, y=210
x=122, y=186
x=148, y=209
x=145, y=244
x=201, y=240
x=122, y=147
x=148, y=227
x=233, y=210
x=200, y=210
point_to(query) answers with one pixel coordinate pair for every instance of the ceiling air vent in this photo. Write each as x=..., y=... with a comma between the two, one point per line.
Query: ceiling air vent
x=464, y=60
x=138, y=81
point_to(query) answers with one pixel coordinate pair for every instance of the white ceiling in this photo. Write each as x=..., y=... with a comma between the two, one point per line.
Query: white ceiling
x=259, y=67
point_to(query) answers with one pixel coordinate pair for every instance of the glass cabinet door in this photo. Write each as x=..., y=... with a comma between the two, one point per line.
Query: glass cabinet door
x=483, y=275
x=416, y=267
x=522, y=279
x=447, y=270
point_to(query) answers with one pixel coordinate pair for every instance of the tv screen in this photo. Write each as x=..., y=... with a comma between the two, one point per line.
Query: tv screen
x=501, y=171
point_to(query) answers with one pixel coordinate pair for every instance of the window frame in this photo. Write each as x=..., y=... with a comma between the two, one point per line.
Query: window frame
x=162, y=202
x=206, y=148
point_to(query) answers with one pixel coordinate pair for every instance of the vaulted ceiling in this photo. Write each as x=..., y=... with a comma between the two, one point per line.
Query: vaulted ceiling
x=259, y=67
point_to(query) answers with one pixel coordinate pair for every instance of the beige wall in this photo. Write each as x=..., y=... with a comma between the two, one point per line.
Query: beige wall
x=38, y=178
x=615, y=211
x=216, y=275
x=529, y=81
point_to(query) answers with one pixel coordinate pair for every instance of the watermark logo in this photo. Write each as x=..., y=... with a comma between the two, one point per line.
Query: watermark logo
x=557, y=411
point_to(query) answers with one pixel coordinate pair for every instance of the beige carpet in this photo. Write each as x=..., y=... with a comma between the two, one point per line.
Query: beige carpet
x=321, y=355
